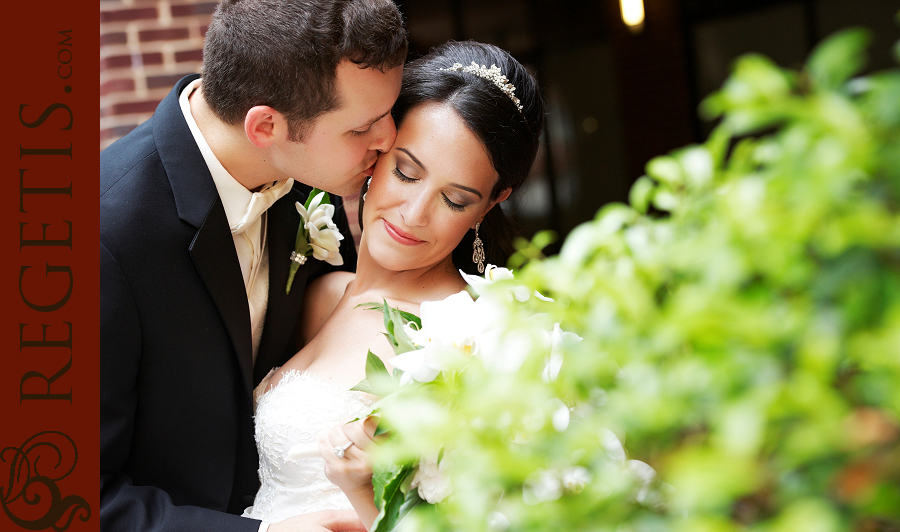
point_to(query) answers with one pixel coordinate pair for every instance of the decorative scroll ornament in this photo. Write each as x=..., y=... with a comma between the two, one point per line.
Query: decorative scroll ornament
x=32, y=499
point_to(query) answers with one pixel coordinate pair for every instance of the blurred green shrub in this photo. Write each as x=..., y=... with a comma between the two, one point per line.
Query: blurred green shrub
x=741, y=333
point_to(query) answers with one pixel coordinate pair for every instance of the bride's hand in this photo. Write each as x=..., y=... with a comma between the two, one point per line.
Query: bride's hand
x=353, y=471
x=323, y=521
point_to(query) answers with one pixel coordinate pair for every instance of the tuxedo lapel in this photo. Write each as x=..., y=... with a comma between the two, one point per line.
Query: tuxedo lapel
x=198, y=204
x=283, y=310
x=216, y=260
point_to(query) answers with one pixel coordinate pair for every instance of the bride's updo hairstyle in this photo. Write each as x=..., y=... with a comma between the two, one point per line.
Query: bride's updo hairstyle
x=511, y=135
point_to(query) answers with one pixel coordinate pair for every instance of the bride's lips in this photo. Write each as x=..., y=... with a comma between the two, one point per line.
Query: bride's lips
x=401, y=237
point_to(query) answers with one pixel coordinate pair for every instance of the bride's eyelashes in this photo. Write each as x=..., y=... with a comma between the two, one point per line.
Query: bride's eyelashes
x=406, y=179
x=453, y=206
x=402, y=177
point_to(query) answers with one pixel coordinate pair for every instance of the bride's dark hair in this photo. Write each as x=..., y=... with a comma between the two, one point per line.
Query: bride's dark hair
x=511, y=136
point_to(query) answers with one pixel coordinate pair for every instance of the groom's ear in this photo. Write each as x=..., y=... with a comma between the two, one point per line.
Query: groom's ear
x=263, y=125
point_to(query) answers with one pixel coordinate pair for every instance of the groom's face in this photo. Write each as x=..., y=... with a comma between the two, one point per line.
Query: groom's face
x=339, y=151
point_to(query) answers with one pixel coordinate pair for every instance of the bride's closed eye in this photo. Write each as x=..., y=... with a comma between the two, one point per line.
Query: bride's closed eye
x=406, y=179
x=403, y=177
x=453, y=206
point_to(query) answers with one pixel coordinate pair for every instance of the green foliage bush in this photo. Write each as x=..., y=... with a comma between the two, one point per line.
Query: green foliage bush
x=741, y=333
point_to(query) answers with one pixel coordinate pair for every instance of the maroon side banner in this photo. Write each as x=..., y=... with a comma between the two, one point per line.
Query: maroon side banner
x=49, y=268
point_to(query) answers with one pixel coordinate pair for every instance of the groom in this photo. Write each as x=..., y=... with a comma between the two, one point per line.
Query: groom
x=294, y=94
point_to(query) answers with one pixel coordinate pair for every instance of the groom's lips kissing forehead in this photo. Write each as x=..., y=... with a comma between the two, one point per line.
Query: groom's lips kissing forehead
x=400, y=236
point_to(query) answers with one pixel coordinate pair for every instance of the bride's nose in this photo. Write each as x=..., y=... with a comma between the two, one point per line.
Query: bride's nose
x=415, y=210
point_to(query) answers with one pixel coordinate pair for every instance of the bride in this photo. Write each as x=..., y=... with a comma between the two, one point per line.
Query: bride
x=469, y=118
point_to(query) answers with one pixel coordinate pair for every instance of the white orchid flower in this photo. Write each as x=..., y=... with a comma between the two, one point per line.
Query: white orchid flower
x=644, y=474
x=493, y=274
x=313, y=205
x=575, y=478
x=560, y=417
x=431, y=479
x=448, y=336
x=452, y=320
x=323, y=235
x=612, y=445
x=496, y=273
x=558, y=338
x=322, y=217
x=421, y=365
x=541, y=486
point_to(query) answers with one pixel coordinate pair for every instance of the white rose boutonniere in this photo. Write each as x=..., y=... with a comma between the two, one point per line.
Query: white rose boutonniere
x=317, y=235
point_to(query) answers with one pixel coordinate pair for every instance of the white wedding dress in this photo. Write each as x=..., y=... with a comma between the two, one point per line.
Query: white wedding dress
x=293, y=412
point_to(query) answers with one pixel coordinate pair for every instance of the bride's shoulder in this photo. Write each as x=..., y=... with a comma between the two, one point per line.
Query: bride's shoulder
x=321, y=298
x=329, y=287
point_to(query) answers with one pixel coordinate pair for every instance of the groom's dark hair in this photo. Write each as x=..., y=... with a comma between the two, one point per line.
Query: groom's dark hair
x=284, y=54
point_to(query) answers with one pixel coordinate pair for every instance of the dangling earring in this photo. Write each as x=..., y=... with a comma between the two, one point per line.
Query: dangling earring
x=478, y=250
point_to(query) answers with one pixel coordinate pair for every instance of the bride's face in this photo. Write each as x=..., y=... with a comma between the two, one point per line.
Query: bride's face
x=427, y=191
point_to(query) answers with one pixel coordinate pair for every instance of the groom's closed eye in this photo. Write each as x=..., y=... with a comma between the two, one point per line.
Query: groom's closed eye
x=366, y=128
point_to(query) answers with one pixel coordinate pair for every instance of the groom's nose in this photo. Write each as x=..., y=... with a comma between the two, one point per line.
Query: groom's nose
x=384, y=135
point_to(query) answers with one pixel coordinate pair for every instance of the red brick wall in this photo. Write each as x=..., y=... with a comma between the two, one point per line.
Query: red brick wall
x=145, y=47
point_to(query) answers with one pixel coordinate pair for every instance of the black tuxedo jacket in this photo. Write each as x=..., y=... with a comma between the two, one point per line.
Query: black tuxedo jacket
x=176, y=376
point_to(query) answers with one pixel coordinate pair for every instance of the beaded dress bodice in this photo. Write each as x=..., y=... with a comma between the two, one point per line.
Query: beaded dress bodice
x=295, y=411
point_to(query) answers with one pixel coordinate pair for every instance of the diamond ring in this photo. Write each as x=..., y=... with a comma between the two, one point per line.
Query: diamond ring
x=339, y=451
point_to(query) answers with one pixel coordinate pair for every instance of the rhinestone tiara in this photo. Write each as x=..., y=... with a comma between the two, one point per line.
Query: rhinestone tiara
x=493, y=75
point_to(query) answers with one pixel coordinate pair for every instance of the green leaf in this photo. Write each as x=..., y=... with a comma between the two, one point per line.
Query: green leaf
x=411, y=501
x=665, y=169
x=375, y=367
x=529, y=250
x=408, y=317
x=382, y=427
x=381, y=477
x=641, y=194
x=543, y=239
x=378, y=380
x=395, y=328
x=315, y=192
x=363, y=386
x=838, y=57
x=394, y=320
x=389, y=499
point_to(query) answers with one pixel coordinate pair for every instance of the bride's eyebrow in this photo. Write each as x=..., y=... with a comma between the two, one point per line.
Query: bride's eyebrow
x=467, y=189
x=413, y=157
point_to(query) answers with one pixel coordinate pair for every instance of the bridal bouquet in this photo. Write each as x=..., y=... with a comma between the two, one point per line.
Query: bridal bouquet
x=458, y=343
